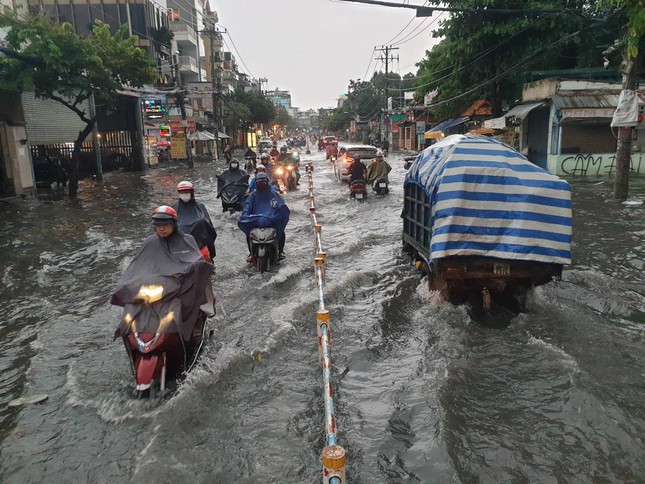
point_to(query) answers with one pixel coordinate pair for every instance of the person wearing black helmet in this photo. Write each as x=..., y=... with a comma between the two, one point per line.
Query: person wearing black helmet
x=265, y=208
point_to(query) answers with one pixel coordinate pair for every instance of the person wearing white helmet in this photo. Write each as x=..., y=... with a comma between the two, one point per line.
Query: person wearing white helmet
x=260, y=169
x=193, y=219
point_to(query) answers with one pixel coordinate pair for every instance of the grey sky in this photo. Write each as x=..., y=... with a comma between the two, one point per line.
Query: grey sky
x=313, y=47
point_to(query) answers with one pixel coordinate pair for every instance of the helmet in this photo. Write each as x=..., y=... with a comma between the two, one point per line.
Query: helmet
x=184, y=186
x=164, y=214
x=264, y=156
x=283, y=149
x=261, y=168
x=234, y=161
x=262, y=178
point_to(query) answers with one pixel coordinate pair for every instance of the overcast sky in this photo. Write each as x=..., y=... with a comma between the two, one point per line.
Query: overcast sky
x=314, y=47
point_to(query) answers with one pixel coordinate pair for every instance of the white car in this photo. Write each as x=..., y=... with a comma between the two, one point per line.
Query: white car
x=365, y=153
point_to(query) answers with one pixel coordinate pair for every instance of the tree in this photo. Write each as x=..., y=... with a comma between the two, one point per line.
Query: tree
x=283, y=118
x=69, y=69
x=262, y=110
x=486, y=54
x=634, y=35
x=236, y=114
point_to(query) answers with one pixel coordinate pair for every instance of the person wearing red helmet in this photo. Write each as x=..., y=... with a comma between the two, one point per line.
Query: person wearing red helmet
x=193, y=219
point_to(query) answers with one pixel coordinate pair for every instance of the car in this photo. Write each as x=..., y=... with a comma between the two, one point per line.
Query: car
x=265, y=142
x=330, y=140
x=365, y=153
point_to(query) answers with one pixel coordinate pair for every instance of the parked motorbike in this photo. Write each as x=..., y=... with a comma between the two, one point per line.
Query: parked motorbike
x=380, y=185
x=232, y=193
x=264, y=248
x=358, y=190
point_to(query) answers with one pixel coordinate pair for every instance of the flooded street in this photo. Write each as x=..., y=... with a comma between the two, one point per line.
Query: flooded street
x=424, y=391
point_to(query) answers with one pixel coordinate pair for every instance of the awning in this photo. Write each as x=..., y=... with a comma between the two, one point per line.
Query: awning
x=221, y=135
x=449, y=123
x=521, y=111
x=202, y=136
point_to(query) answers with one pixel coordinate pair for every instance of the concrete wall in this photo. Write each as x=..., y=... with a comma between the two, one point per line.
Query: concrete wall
x=590, y=164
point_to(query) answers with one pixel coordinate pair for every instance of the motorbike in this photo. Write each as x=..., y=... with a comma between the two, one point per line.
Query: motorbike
x=285, y=177
x=163, y=324
x=232, y=193
x=157, y=356
x=250, y=164
x=380, y=185
x=264, y=248
x=358, y=190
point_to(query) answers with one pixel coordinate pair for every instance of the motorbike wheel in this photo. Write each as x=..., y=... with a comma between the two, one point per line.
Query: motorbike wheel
x=141, y=394
x=291, y=184
x=260, y=263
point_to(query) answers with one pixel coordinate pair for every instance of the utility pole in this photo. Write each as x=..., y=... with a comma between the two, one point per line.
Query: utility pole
x=180, y=97
x=212, y=33
x=386, y=59
x=630, y=69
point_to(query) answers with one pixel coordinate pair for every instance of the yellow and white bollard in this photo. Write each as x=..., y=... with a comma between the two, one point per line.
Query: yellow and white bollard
x=334, y=460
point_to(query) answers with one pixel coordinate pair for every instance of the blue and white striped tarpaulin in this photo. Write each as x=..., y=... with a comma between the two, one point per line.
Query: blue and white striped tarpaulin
x=489, y=200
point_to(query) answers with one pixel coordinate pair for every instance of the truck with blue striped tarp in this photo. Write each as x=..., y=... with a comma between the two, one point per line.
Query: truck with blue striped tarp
x=481, y=218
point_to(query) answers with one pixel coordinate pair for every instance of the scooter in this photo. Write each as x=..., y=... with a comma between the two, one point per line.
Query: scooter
x=290, y=179
x=264, y=248
x=358, y=190
x=163, y=354
x=380, y=186
x=232, y=194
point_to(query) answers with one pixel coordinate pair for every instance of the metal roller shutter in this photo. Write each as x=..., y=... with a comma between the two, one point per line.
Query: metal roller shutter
x=49, y=121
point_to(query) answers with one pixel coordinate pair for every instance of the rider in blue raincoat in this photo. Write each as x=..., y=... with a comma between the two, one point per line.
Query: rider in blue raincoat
x=265, y=208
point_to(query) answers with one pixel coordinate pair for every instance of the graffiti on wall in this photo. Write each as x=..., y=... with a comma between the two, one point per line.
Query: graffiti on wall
x=583, y=164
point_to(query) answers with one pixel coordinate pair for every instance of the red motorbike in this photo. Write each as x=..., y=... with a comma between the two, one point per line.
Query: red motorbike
x=358, y=190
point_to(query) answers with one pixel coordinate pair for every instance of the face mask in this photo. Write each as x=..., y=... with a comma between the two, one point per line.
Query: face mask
x=185, y=197
x=234, y=166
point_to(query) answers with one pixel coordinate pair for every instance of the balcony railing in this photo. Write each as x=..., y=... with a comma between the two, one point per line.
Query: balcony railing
x=184, y=33
x=187, y=63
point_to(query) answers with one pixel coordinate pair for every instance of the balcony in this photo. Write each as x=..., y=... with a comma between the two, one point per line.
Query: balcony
x=184, y=34
x=188, y=64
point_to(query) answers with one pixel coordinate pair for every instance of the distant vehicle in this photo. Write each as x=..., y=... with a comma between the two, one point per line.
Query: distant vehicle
x=330, y=140
x=483, y=222
x=265, y=142
x=365, y=153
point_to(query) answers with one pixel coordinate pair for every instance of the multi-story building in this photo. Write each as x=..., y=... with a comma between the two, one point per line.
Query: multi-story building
x=186, y=19
x=280, y=98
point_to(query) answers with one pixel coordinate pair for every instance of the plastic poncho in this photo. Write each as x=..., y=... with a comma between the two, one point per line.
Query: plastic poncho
x=264, y=209
x=194, y=220
x=174, y=270
x=378, y=169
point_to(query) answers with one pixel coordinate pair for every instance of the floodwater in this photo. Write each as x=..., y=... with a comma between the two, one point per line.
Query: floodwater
x=424, y=391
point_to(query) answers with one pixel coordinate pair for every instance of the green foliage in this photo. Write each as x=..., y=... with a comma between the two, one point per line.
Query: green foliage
x=67, y=66
x=54, y=62
x=635, y=28
x=163, y=35
x=283, y=118
x=338, y=120
x=236, y=114
x=262, y=111
x=487, y=54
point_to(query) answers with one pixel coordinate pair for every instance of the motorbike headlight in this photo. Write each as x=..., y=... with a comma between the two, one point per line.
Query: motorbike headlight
x=149, y=293
x=289, y=167
x=279, y=171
